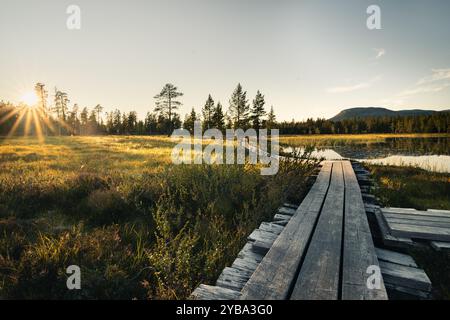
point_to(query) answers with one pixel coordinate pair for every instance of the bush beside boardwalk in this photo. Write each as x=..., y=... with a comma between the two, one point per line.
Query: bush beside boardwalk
x=138, y=226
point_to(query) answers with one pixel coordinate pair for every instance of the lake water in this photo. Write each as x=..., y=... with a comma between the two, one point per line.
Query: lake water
x=431, y=154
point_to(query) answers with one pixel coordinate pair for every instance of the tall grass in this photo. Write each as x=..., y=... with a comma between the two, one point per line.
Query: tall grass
x=412, y=187
x=137, y=226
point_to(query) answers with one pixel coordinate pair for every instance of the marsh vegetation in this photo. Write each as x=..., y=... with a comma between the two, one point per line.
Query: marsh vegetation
x=138, y=226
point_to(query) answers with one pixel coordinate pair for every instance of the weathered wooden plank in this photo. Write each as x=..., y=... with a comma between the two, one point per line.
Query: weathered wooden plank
x=233, y=279
x=395, y=257
x=439, y=211
x=408, y=292
x=319, y=274
x=247, y=265
x=286, y=211
x=405, y=276
x=369, y=198
x=433, y=213
x=416, y=217
x=261, y=247
x=282, y=223
x=358, y=248
x=371, y=208
x=363, y=177
x=419, y=232
x=440, y=246
x=228, y=271
x=365, y=182
x=290, y=205
x=271, y=227
x=388, y=239
x=281, y=217
x=258, y=234
x=248, y=253
x=418, y=222
x=276, y=272
x=206, y=292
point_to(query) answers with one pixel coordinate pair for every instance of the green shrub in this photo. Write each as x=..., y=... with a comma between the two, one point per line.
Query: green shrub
x=155, y=235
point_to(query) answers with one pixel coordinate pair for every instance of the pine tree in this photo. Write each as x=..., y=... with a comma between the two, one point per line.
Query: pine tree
x=42, y=95
x=218, y=118
x=73, y=120
x=98, y=109
x=258, y=112
x=83, y=120
x=92, y=122
x=132, y=122
x=208, y=111
x=151, y=123
x=271, y=119
x=166, y=103
x=239, y=108
x=189, y=121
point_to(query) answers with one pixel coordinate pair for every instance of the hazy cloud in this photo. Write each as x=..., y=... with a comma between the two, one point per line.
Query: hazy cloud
x=424, y=89
x=354, y=87
x=436, y=82
x=379, y=52
x=437, y=75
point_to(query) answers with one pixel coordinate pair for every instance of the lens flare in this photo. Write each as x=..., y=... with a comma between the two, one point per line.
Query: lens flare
x=30, y=99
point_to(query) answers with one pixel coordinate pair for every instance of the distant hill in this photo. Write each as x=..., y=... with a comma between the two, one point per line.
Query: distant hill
x=365, y=112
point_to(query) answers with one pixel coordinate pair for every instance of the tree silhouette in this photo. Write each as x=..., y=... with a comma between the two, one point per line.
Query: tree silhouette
x=271, y=119
x=61, y=107
x=166, y=102
x=239, y=108
x=218, y=118
x=258, y=112
x=98, y=109
x=208, y=111
x=189, y=121
x=42, y=95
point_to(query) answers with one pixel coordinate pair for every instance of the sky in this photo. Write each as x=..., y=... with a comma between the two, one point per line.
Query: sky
x=310, y=58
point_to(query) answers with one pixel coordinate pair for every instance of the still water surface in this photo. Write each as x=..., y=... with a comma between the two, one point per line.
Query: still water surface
x=431, y=154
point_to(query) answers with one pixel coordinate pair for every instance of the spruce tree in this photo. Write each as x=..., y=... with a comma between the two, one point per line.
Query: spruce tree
x=271, y=119
x=218, y=118
x=239, y=108
x=258, y=112
x=189, y=121
x=208, y=111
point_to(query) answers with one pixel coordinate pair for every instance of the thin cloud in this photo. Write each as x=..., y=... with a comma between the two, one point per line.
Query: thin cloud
x=437, y=81
x=354, y=87
x=424, y=89
x=379, y=52
x=437, y=75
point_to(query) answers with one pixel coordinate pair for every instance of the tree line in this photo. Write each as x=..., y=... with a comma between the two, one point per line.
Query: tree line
x=438, y=122
x=65, y=120
x=60, y=119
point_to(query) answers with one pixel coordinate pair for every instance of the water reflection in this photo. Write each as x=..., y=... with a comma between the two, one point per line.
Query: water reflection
x=431, y=163
x=431, y=154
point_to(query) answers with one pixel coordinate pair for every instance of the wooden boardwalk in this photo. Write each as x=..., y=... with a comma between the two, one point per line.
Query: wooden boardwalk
x=324, y=250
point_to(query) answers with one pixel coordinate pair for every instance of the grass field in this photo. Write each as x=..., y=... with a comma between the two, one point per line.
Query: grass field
x=138, y=226
x=410, y=187
x=141, y=227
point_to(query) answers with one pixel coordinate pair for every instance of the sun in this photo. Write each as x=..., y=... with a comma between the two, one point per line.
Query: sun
x=30, y=98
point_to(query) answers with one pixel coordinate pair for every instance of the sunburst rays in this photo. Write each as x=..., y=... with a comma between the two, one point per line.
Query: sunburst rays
x=32, y=117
